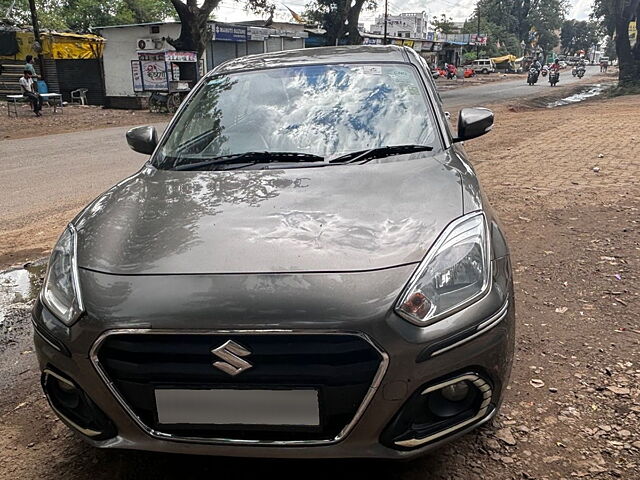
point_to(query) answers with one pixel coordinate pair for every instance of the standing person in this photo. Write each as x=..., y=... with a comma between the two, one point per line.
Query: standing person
x=28, y=90
x=29, y=66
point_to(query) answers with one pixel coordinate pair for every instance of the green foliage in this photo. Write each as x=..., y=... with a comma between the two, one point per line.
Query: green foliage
x=511, y=21
x=500, y=41
x=82, y=15
x=469, y=57
x=578, y=35
x=443, y=24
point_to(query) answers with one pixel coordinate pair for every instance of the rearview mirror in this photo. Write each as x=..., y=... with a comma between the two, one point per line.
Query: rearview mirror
x=143, y=139
x=473, y=122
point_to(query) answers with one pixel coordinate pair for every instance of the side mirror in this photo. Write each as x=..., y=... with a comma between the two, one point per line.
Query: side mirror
x=143, y=139
x=473, y=122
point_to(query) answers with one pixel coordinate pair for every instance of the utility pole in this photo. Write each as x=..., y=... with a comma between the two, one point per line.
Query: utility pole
x=386, y=18
x=478, y=37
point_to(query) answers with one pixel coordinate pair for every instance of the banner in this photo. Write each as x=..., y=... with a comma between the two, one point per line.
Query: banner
x=136, y=76
x=154, y=75
x=175, y=56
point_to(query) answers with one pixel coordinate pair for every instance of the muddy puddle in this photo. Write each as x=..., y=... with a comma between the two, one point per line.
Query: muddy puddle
x=20, y=286
x=581, y=95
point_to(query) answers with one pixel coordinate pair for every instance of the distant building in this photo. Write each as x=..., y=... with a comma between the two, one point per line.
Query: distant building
x=405, y=25
x=457, y=27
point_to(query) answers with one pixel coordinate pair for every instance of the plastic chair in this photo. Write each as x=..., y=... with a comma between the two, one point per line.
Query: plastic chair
x=42, y=86
x=79, y=96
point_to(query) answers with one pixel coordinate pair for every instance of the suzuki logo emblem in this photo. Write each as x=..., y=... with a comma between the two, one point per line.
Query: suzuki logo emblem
x=231, y=353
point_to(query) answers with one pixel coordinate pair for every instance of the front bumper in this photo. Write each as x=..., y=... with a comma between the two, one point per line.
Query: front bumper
x=478, y=339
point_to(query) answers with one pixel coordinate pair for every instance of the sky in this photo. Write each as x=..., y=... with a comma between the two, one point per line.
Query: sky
x=231, y=10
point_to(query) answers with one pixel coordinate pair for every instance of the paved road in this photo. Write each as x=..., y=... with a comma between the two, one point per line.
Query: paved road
x=49, y=169
x=508, y=90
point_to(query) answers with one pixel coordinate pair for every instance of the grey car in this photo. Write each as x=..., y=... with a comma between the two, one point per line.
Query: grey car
x=306, y=267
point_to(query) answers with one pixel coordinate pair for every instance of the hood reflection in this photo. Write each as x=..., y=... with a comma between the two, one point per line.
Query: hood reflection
x=343, y=218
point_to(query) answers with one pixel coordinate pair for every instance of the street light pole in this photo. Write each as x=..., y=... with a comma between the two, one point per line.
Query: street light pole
x=386, y=18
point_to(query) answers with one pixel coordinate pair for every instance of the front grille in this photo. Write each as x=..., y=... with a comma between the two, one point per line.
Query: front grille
x=342, y=367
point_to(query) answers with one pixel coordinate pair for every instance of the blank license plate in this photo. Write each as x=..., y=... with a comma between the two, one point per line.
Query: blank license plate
x=238, y=407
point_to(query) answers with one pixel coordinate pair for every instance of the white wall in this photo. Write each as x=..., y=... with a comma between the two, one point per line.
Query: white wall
x=121, y=47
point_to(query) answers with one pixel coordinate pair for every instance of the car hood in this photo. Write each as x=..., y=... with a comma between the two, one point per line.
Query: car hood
x=328, y=219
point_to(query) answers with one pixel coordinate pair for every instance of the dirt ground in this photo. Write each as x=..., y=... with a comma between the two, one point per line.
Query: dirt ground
x=565, y=184
x=478, y=79
x=74, y=118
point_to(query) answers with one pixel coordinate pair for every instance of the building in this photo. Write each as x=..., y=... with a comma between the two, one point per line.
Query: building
x=69, y=61
x=124, y=43
x=405, y=25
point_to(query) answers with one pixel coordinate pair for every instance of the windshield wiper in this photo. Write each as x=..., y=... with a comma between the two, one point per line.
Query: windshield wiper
x=253, y=158
x=380, y=152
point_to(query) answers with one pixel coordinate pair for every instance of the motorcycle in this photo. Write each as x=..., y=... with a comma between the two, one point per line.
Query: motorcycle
x=580, y=72
x=545, y=70
x=554, y=78
x=532, y=77
x=574, y=71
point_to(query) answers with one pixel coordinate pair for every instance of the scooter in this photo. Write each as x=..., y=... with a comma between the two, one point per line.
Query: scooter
x=532, y=77
x=581, y=71
x=554, y=78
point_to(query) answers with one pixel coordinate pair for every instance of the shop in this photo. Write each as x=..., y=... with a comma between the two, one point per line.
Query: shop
x=428, y=47
x=69, y=61
x=126, y=43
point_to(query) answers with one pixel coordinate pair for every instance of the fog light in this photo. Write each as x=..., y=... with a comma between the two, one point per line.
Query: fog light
x=456, y=392
x=73, y=405
x=439, y=410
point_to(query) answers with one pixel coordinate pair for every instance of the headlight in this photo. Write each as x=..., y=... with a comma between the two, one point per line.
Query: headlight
x=61, y=289
x=455, y=273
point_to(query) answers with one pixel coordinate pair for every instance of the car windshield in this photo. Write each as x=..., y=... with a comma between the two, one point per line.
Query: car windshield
x=322, y=110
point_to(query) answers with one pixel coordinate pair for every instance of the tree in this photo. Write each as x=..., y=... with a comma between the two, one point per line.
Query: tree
x=339, y=18
x=499, y=42
x=578, y=35
x=83, y=15
x=443, y=24
x=615, y=16
x=521, y=18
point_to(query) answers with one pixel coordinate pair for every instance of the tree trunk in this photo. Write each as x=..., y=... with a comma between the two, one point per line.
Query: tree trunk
x=352, y=23
x=628, y=57
x=194, y=32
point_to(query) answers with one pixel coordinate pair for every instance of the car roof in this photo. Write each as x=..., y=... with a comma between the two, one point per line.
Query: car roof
x=316, y=56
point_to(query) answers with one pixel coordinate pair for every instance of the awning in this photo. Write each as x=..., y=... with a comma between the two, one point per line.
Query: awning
x=505, y=58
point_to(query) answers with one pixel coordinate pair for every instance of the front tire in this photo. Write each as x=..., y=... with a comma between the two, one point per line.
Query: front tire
x=173, y=102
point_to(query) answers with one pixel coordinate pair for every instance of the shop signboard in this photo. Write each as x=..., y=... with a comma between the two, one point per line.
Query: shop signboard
x=229, y=33
x=175, y=56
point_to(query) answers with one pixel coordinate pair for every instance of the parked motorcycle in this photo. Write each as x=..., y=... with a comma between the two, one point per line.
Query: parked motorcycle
x=533, y=75
x=554, y=78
